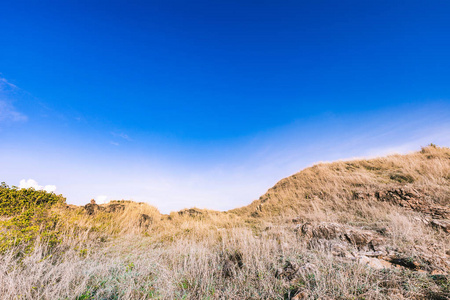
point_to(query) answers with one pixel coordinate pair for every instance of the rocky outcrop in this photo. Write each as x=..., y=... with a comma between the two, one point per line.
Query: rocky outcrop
x=114, y=207
x=93, y=208
x=411, y=199
x=407, y=197
x=191, y=212
x=361, y=239
x=368, y=247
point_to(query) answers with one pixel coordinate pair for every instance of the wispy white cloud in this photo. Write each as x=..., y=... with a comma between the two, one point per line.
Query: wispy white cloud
x=114, y=143
x=5, y=84
x=8, y=113
x=121, y=135
x=31, y=183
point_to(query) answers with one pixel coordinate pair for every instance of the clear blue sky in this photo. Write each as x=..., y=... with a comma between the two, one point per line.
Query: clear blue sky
x=209, y=103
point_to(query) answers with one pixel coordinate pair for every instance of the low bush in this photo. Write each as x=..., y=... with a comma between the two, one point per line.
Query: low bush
x=26, y=215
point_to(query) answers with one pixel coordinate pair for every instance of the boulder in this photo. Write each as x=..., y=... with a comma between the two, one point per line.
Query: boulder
x=374, y=263
x=302, y=295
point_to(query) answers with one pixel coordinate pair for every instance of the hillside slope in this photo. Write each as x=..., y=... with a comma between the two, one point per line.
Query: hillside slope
x=337, y=186
x=361, y=229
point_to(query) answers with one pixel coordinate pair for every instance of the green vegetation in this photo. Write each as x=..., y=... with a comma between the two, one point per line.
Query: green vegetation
x=27, y=216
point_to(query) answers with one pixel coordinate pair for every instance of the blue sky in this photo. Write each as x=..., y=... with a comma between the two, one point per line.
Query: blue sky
x=209, y=103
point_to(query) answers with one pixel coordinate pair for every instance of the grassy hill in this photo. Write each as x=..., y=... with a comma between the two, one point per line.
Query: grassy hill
x=360, y=229
x=335, y=186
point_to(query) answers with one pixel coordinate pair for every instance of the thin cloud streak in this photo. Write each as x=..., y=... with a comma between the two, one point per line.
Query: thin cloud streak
x=8, y=113
x=121, y=135
x=6, y=84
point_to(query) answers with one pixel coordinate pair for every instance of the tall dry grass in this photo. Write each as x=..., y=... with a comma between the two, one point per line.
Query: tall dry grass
x=235, y=255
x=192, y=265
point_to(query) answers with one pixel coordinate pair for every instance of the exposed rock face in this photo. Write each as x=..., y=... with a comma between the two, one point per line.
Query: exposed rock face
x=406, y=197
x=368, y=247
x=114, y=207
x=362, y=239
x=92, y=208
x=409, y=198
x=192, y=212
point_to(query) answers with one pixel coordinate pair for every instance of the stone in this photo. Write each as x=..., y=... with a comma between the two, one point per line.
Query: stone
x=358, y=237
x=288, y=271
x=340, y=250
x=442, y=224
x=374, y=263
x=300, y=296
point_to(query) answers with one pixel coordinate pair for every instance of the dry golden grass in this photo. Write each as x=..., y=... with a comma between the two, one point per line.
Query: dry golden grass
x=200, y=254
x=330, y=186
x=137, y=267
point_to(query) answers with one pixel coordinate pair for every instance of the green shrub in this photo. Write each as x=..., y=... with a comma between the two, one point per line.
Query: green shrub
x=25, y=215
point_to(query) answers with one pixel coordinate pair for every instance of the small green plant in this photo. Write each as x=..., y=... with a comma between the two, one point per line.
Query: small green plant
x=130, y=267
x=83, y=252
x=85, y=296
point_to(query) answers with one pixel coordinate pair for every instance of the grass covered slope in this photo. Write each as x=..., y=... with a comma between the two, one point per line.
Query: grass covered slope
x=334, y=187
x=363, y=229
